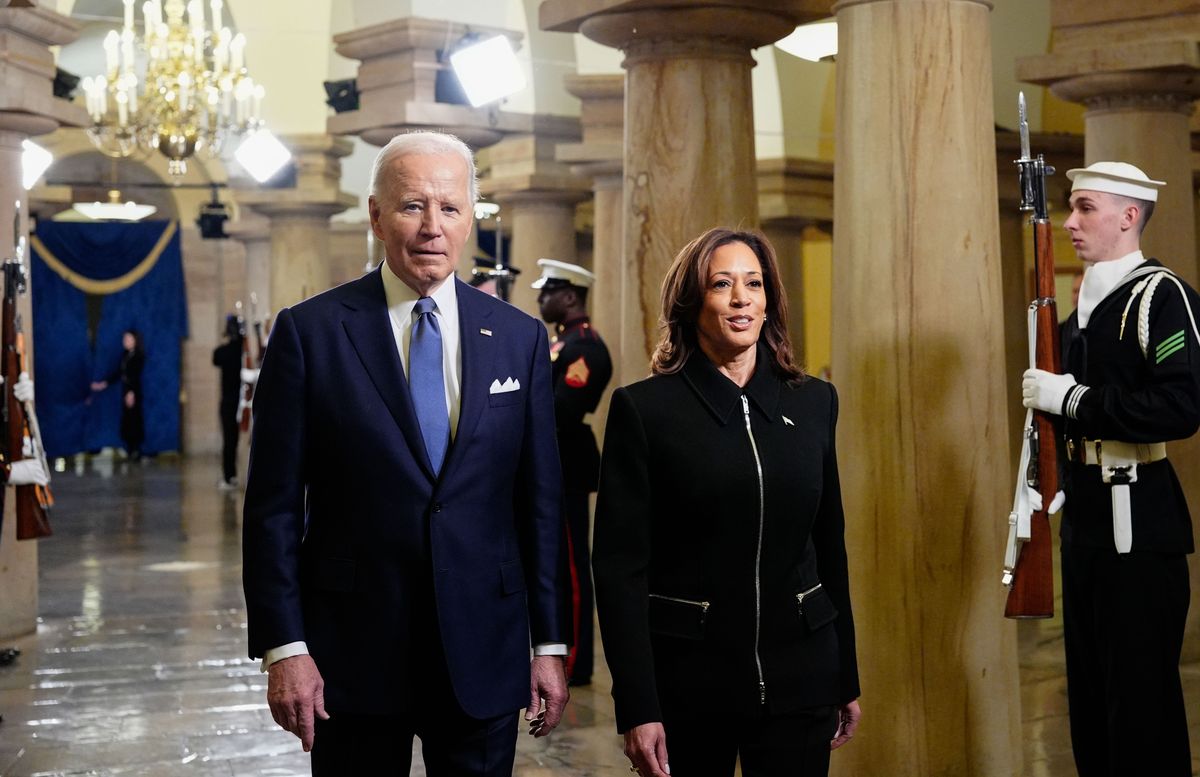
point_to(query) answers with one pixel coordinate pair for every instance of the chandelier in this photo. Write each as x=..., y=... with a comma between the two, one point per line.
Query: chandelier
x=193, y=94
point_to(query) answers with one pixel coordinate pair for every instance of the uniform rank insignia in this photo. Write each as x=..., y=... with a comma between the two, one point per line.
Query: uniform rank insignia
x=577, y=373
x=555, y=348
x=1169, y=346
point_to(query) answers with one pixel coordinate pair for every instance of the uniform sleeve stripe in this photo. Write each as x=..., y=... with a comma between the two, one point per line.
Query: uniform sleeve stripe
x=1170, y=351
x=1171, y=341
x=1071, y=405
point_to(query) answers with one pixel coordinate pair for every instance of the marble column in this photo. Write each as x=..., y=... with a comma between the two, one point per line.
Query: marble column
x=794, y=194
x=299, y=218
x=255, y=238
x=689, y=129
x=919, y=354
x=1139, y=107
x=27, y=108
x=598, y=157
x=537, y=195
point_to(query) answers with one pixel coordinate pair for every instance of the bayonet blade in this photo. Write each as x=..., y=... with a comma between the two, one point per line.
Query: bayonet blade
x=1023, y=123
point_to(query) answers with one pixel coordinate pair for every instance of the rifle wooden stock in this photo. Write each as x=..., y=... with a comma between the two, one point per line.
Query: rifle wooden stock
x=32, y=519
x=1032, y=591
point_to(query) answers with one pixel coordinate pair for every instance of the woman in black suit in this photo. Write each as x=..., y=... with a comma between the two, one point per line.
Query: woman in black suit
x=719, y=559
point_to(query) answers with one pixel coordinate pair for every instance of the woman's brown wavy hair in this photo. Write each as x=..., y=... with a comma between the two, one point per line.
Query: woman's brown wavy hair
x=683, y=293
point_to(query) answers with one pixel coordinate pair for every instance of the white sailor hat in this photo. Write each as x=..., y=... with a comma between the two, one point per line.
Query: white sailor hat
x=556, y=274
x=1115, y=178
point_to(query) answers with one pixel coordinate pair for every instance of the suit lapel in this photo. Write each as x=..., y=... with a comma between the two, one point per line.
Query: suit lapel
x=370, y=332
x=478, y=356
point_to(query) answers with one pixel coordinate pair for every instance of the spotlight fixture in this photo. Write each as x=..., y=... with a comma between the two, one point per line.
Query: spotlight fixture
x=262, y=155
x=34, y=162
x=813, y=42
x=488, y=70
x=212, y=218
x=342, y=95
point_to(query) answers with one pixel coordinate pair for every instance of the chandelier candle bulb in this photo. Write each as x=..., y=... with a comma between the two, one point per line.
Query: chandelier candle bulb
x=237, y=52
x=111, y=42
x=129, y=15
x=216, y=6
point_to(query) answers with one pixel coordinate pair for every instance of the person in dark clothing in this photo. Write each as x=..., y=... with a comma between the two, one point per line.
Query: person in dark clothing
x=129, y=371
x=581, y=369
x=229, y=358
x=722, y=581
x=1130, y=384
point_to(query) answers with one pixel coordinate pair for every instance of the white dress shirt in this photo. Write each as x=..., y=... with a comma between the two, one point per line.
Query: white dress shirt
x=401, y=303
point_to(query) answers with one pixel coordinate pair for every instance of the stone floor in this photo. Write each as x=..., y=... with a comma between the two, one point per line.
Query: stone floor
x=138, y=666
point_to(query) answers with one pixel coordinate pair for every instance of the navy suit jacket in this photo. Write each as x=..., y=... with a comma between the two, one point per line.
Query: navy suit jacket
x=350, y=541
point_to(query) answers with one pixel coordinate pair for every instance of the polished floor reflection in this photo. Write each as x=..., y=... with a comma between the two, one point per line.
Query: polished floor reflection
x=138, y=666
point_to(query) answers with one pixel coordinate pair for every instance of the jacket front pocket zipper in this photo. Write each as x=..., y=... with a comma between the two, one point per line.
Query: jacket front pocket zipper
x=800, y=597
x=702, y=605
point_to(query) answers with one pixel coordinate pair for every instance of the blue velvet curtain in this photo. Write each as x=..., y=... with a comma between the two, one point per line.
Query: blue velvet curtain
x=137, y=270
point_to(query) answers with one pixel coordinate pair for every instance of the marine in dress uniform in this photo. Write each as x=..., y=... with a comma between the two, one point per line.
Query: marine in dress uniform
x=581, y=369
x=1131, y=354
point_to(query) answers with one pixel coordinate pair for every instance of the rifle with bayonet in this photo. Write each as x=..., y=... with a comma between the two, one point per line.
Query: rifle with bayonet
x=1028, y=563
x=20, y=421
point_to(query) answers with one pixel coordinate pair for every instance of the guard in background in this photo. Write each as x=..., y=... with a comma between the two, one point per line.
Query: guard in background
x=581, y=369
x=492, y=277
x=228, y=358
x=1131, y=354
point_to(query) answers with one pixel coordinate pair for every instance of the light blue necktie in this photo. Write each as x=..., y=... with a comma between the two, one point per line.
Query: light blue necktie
x=426, y=383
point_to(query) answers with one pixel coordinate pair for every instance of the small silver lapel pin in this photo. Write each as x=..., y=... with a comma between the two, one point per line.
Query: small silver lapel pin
x=788, y=421
x=487, y=332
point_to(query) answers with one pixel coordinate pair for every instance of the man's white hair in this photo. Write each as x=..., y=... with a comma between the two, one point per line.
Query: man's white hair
x=424, y=142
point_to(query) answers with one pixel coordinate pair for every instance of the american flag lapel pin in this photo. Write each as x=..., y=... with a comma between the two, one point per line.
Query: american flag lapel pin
x=487, y=332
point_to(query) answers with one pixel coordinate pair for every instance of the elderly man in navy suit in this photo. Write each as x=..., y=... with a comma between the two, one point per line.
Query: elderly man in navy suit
x=402, y=520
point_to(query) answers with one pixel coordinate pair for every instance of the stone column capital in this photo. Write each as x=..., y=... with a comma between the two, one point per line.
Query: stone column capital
x=27, y=69
x=1140, y=75
x=316, y=204
x=534, y=193
x=796, y=192
x=680, y=29
x=397, y=84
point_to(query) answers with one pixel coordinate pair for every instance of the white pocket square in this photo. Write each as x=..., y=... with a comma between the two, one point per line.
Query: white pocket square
x=510, y=384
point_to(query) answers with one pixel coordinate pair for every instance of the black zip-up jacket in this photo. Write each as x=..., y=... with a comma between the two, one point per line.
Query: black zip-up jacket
x=678, y=524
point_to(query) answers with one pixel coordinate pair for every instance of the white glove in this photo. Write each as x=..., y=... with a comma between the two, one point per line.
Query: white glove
x=1035, y=500
x=1046, y=391
x=23, y=388
x=249, y=375
x=27, y=472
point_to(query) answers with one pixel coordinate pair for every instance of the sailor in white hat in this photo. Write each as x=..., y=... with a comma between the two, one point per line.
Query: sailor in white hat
x=580, y=370
x=1131, y=362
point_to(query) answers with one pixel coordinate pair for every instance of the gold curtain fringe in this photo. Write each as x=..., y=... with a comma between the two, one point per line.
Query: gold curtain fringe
x=112, y=285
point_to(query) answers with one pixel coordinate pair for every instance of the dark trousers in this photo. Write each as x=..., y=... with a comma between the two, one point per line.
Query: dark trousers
x=708, y=742
x=1123, y=619
x=229, y=440
x=580, y=660
x=453, y=744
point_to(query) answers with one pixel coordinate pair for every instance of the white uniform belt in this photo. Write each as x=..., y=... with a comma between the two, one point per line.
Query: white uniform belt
x=1095, y=451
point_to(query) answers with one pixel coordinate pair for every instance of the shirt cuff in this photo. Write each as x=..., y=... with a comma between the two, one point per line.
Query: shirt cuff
x=550, y=649
x=282, y=652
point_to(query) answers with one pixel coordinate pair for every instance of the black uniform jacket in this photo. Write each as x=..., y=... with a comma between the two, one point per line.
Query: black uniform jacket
x=581, y=370
x=679, y=523
x=1133, y=398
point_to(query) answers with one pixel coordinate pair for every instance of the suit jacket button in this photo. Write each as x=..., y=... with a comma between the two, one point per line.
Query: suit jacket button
x=437, y=507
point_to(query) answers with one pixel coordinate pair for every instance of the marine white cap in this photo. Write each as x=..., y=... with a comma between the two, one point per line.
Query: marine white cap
x=1115, y=178
x=556, y=273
